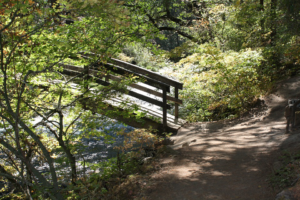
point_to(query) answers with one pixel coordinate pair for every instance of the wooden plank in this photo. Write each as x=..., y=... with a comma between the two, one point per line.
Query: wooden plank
x=130, y=93
x=164, y=109
x=148, y=99
x=144, y=122
x=158, y=94
x=145, y=89
x=139, y=70
x=82, y=70
x=171, y=121
x=115, y=78
x=117, y=70
x=176, y=105
x=148, y=80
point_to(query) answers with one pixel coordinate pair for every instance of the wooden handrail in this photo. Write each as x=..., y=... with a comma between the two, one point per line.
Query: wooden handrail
x=130, y=93
x=115, y=78
x=139, y=70
x=148, y=80
x=146, y=72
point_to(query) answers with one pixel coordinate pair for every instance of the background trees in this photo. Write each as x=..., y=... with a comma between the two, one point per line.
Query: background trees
x=236, y=27
x=227, y=53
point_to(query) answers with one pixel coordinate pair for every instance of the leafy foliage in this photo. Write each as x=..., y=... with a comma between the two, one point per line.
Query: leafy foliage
x=143, y=56
x=236, y=50
x=36, y=41
x=216, y=82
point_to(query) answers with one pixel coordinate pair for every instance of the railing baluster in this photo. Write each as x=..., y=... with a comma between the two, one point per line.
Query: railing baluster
x=164, y=109
x=176, y=105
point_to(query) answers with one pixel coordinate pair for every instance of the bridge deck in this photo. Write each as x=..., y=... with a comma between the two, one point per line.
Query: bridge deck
x=153, y=118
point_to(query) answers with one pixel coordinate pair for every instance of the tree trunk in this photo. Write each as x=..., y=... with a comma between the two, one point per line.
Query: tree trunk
x=273, y=22
x=70, y=156
x=262, y=21
x=72, y=160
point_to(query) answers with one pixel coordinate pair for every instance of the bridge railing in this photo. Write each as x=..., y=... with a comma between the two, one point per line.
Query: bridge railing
x=162, y=79
x=151, y=78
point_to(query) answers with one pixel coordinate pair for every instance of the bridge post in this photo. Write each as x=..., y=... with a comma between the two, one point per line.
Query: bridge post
x=164, y=108
x=176, y=105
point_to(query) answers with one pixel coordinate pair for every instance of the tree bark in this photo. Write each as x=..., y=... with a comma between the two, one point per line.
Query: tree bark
x=273, y=22
x=72, y=160
x=67, y=150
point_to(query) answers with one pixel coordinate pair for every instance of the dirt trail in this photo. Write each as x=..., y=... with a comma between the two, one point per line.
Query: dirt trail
x=226, y=162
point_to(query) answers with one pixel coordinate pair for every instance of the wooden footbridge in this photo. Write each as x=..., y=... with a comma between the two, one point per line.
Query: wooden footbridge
x=160, y=86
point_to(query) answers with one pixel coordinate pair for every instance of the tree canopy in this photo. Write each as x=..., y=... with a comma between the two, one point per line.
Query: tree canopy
x=227, y=53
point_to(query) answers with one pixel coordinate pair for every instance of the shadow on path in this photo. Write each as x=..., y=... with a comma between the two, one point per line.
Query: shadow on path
x=217, y=162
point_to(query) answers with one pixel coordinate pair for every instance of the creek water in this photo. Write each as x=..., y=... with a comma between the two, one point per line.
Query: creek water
x=93, y=149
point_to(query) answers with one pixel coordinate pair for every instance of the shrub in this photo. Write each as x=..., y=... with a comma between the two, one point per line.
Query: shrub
x=219, y=84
